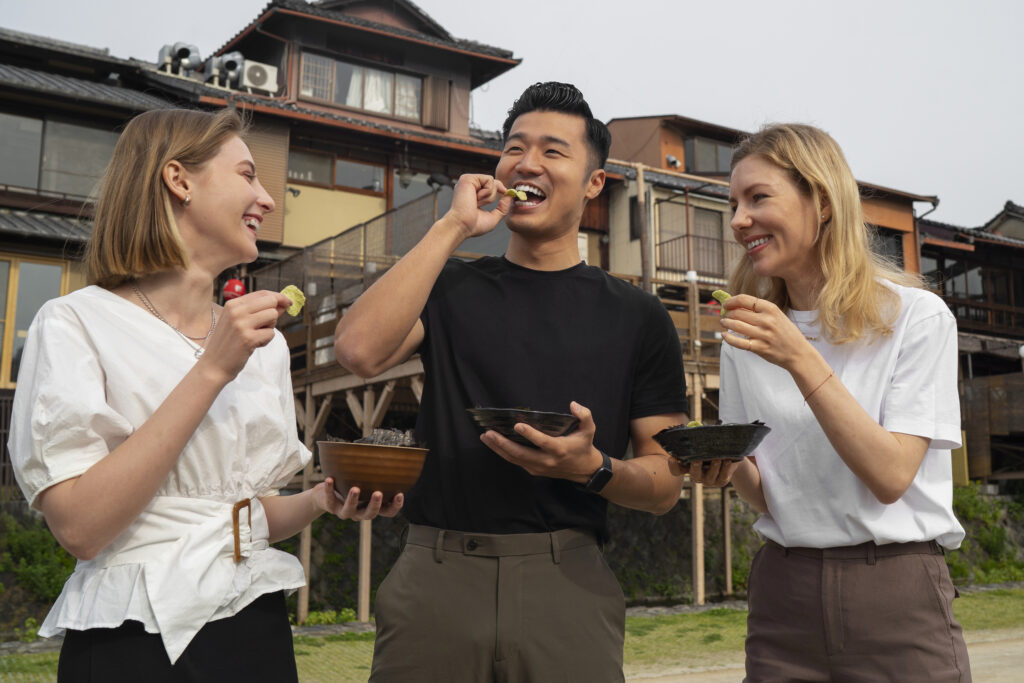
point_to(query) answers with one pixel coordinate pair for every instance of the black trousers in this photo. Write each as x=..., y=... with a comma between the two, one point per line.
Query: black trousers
x=254, y=645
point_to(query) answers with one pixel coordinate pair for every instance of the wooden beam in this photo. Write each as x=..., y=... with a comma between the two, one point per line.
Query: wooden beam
x=727, y=537
x=306, y=537
x=413, y=366
x=416, y=384
x=382, y=405
x=300, y=415
x=697, y=505
x=355, y=407
x=321, y=417
x=365, y=526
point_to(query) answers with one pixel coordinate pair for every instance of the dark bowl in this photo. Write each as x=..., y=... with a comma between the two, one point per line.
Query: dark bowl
x=711, y=442
x=503, y=421
x=388, y=469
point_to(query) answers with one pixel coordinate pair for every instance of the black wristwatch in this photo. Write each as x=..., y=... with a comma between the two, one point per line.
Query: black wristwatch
x=599, y=479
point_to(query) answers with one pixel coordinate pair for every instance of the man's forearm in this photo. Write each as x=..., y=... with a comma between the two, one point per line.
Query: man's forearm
x=378, y=322
x=644, y=483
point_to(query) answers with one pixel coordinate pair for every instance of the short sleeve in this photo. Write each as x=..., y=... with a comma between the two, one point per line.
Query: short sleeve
x=659, y=385
x=61, y=423
x=922, y=398
x=296, y=453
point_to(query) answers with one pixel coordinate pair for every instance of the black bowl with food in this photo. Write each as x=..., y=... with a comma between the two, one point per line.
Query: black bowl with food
x=503, y=421
x=711, y=442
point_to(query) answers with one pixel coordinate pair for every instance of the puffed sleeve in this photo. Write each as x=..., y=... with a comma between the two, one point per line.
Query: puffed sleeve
x=61, y=423
x=922, y=398
x=295, y=455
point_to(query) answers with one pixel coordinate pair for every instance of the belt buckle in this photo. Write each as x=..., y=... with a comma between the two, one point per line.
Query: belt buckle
x=234, y=525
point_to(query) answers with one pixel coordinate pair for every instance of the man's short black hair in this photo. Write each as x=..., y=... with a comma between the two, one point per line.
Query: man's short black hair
x=566, y=98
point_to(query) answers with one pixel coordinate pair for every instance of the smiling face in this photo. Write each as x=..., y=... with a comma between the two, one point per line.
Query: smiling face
x=547, y=156
x=227, y=206
x=776, y=220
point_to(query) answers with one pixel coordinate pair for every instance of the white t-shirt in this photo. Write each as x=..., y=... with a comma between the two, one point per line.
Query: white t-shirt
x=906, y=381
x=95, y=367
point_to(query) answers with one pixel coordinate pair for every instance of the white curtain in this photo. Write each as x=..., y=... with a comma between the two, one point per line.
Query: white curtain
x=378, y=88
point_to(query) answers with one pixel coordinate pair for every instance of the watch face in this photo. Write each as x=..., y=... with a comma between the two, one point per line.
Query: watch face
x=599, y=479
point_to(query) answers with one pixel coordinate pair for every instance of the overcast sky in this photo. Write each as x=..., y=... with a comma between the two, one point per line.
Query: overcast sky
x=924, y=96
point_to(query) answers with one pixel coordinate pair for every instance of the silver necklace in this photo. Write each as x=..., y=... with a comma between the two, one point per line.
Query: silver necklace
x=188, y=340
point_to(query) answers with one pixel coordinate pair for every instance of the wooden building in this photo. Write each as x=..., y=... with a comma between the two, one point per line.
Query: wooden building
x=979, y=272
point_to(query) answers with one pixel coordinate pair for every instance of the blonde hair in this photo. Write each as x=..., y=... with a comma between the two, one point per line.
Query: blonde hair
x=134, y=231
x=853, y=301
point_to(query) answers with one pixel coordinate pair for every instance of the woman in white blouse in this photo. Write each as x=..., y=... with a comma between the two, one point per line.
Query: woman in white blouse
x=854, y=368
x=153, y=428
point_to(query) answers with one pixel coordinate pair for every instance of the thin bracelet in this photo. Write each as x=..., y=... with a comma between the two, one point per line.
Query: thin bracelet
x=830, y=374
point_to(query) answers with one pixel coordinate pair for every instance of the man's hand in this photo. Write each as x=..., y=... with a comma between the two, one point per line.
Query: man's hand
x=571, y=457
x=472, y=192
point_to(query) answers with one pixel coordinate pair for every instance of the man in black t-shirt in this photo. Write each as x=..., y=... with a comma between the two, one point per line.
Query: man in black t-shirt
x=502, y=577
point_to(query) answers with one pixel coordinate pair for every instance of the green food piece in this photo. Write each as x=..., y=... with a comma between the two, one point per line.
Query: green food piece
x=298, y=299
x=518, y=194
x=694, y=423
x=721, y=295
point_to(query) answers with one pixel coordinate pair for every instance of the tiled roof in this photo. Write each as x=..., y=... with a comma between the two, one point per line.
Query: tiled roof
x=96, y=53
x=195, y=90
x=970, y=234
x=670, y=181
x=43, y=226
x=78, y=89
x=313, y=10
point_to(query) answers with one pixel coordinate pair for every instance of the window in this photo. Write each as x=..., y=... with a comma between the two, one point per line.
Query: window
x=361, y=87
x=634, y=219
x=359, y=175
x=309, y=168
x=25, y=285
x=74, y=157
x=707, y=156
x=331, y=171
x=21, y=139
x=54, y=156
x=889, y=244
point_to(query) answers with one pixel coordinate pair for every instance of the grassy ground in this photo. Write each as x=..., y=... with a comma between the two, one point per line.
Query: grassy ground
x=653, y=644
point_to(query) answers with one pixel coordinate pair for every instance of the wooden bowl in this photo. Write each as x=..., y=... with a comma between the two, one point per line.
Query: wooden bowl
x=711, y=442
x=388, y=469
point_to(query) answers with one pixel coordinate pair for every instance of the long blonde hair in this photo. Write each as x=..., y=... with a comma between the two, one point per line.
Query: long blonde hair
x=134, y=231
x=853, y=301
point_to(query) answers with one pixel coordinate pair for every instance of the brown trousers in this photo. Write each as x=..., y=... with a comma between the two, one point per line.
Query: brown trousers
x=499, y=607
x=858, y=613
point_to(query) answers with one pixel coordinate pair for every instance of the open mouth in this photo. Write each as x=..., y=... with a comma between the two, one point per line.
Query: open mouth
x=754, y=244
x=534, y=195
x=252, y=223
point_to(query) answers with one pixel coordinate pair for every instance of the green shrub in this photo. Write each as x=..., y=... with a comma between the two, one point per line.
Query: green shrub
x=330, y=617
x=32, y=554
x=28, y=634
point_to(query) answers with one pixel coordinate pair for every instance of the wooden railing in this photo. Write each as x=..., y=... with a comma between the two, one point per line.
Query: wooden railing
x=708, y=256
x=987, y=318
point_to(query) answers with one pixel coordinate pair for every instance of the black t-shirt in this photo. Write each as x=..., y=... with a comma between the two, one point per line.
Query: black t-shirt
x=498, y=335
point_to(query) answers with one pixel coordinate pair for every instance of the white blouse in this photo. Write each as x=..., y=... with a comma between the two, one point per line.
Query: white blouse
x=95, y=367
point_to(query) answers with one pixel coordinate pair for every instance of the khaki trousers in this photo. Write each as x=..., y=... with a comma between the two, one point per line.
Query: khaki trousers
x=858, y=613
x=499, y=607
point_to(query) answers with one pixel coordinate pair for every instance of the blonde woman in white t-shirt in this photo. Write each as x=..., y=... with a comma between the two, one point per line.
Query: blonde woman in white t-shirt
x=153, y=428
x=854, y=368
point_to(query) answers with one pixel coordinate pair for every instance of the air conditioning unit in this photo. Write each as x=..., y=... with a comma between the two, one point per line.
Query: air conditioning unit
x=258, y=76
x=179, y=58
x=224, y=70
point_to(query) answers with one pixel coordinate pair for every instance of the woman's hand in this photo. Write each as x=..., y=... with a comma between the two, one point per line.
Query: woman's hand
x=769, y=332
x=347, y=506
x=245, y=324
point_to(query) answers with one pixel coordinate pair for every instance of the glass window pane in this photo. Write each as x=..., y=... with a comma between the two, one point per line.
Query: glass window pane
x=20, y=140
x=75, y=157
x=377, y=91
x=707, y=155
x=724, y=158
x=349, y=90
x=37, y=284
x=975, y=282
x=308, y=167
x=317, y=77
x=953, y=278
x=359, y=175
x=930, y=271
x=407, y=96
